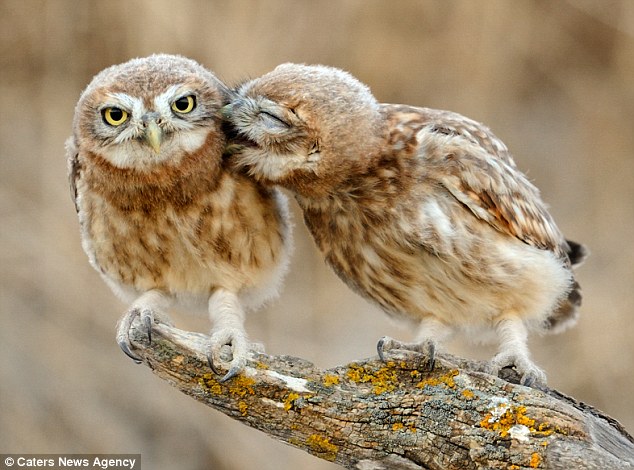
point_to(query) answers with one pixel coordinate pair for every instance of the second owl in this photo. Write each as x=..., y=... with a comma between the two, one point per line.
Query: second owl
x=422, y=211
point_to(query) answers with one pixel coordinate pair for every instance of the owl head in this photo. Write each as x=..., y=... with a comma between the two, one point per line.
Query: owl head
x=148, y=110
x=303, y=122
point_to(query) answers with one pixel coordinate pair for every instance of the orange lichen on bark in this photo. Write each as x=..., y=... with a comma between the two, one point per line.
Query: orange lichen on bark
x=290, y=399
x=330, y=380
x=383, y=379
x=536, y=459
x=239, y=386
x=322, y=447
x=445, y=379
x=502, y=423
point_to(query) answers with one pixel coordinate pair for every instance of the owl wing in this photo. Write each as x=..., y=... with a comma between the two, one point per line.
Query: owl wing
x=476, y=168
x=74, y=168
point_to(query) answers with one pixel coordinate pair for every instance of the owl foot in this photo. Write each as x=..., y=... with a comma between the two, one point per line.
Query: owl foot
x=427, y=347
x=230, y=346
x=123, y=329
x=529, y=373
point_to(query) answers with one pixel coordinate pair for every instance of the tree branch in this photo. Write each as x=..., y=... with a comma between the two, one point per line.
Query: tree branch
x=374, y=415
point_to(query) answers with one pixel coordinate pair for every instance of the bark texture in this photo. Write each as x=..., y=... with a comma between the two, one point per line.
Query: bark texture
x=396, y=415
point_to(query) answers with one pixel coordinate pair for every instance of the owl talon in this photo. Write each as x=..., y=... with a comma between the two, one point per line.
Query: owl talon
x=229, y=346
x=427, y=347
x=380, y=348
x=124, y=325
x=210, y=361
x=530, y=375
x=123, y=333
x=147, y=321
x=235, y=370
x=431, y=356
x=126, y=349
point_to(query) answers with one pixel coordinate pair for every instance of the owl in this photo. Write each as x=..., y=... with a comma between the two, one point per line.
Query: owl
x=162, y=218
x=421, y=211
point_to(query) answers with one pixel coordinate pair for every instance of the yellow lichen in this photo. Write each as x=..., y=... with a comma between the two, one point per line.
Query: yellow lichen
x=546, y=429
x=242, y=407
x=290, y=399
x=210, y=384
x=322, y=447
x=446, y=379
x=468, y=394
x=330, y=380
x=383, y=379
x=261, y=365
x=397, y=426
x=241, y=386
x=238, y=386
x=535, y=460
x=504, y=421
x=504, y=417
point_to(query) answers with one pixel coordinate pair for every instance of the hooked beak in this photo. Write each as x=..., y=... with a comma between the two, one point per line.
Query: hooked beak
x=226, y=111
x=154, y=135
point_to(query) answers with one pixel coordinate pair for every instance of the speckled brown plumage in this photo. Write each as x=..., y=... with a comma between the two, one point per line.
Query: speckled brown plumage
x=173, y=226
x=422, y=211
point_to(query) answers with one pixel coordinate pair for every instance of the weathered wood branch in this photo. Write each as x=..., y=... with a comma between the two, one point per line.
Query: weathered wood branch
x=374, y=415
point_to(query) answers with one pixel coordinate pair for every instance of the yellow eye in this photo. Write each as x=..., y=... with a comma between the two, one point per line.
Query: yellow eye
x=184, y=104
x=114, y=116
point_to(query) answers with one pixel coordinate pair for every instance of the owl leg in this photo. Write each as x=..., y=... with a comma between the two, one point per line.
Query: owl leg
x=146, y=307
x=431, y=332
x=227, y=316
x=513, y=351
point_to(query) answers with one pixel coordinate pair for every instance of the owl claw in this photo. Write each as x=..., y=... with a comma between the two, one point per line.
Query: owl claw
x=235, y=370
x=379, y=348
x=126, y=349
x=147, y=321
x=235, y=355
x=530, y=375
x=427, y=347
x=210, y=361
x=124, y=325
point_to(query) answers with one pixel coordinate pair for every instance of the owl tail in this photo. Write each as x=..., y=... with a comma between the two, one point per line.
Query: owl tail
x=567, y=314
x=577, y=253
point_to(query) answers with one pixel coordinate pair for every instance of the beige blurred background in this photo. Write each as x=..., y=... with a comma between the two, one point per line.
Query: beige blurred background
x=554, y=79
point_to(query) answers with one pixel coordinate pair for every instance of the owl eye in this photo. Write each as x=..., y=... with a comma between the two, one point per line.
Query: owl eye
x=114, y=116
x=184, y=104
x=273, y=121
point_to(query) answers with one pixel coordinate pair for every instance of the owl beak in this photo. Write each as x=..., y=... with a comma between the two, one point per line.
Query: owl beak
x=226, y=111
x=153, y=135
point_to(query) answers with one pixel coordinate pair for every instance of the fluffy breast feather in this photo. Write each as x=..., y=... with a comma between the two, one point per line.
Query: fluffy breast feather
x=190, y=229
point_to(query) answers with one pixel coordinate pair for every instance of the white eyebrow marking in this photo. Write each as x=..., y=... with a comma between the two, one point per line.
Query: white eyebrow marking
x=131, y=104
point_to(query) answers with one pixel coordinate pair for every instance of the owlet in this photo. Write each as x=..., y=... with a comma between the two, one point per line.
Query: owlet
x=422, y=211
x=162, y=219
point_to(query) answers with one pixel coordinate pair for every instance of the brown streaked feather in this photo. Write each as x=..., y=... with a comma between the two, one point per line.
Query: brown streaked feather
x=450, y=123
x=475, y=167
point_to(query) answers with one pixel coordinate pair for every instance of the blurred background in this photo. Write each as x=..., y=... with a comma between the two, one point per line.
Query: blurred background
x=553, y=79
